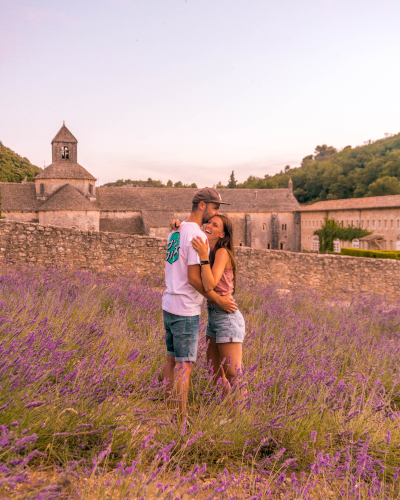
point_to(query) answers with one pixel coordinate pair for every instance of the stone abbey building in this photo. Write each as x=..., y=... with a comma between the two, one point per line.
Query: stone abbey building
x=65, y=195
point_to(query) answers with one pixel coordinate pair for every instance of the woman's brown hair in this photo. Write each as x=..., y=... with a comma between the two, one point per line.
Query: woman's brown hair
x=227, y=243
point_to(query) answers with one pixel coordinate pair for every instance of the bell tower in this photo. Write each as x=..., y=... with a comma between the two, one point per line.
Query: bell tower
x=64, y=147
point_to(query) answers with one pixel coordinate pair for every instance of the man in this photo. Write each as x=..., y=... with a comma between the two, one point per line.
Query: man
x=183, y=297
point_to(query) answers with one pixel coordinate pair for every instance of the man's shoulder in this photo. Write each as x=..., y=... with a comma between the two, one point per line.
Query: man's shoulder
x=191, y=229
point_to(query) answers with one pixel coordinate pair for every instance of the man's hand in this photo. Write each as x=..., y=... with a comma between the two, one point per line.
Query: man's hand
x=174, y=224
x=227, y=303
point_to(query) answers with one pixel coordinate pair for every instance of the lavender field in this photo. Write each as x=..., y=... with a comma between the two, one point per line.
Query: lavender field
x=82, y=407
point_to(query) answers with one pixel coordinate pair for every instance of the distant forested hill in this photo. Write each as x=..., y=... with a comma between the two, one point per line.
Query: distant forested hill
x=369, y=170
x=14, y=168
x=149, y=183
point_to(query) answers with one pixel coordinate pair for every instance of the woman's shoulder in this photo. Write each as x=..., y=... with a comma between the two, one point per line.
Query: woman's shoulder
x=222, y=254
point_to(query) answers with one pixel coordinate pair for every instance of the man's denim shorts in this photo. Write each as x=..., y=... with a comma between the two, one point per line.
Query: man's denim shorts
x=181, y=336
x=224, y=327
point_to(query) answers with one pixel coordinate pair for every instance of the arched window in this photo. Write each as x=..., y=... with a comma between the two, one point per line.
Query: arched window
x=241, y=244
x=41, y=188
x=336, y=246
x=282, y=245
x=398, y=244
x=355, y=243
x=264, y=227
x=269, y=246
x=315, y=244
x=65, y=153
x=90, y=188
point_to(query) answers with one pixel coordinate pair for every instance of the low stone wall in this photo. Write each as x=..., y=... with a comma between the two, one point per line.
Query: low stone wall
x=27, y=242
x=331, y=274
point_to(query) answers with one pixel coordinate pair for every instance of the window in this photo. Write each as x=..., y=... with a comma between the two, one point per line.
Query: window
x=41, y=188
x=269, y=246
x=379, y=224
x=367, y=223
x=320, y=223
x=284, y=227
x=356, y=243
x=391, y=224
x=373, y=224
x=282, y=245
x=398, y=245
x=241, y=244
x=385, y=224
x=341, y=223
x=90, y=188
x=351, y=223
x=264, y=227
x=315, y=244
x=65, y=153
x=312, y=223
x=391, y=245
x=336, y=246
x=362, y=223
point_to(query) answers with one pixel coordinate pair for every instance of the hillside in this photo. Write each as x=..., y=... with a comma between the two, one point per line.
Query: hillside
x=149, y=183
x=328, y=174
x=14, y=168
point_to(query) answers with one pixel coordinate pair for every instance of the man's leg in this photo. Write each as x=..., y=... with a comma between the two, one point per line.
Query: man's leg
x=168, y=374
x=182, y=380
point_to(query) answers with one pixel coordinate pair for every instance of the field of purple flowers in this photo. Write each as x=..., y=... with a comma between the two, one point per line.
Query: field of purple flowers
x=83, y=415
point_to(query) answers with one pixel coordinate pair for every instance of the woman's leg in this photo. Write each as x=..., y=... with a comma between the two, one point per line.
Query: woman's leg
x=231, y=357
x=213, y=359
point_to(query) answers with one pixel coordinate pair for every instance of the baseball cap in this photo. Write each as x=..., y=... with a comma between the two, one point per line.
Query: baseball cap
x=208, y=195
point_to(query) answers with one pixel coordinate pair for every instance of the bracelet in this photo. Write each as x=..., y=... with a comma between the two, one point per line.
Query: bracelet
x=204, y=262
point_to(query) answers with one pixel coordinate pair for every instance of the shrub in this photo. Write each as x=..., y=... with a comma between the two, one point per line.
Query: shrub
x=374, y=254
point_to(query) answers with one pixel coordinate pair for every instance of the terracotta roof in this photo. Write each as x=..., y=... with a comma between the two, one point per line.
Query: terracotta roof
x=180, y=199
x=16, y=196
x=355, y=203
x=67, y=198
x=65, y=170
x=64, y=135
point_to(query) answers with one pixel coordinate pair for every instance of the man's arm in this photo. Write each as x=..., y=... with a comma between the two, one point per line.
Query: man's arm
x=226, y=303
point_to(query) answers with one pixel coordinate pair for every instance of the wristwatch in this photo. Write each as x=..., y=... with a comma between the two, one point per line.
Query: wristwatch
x=204, y=262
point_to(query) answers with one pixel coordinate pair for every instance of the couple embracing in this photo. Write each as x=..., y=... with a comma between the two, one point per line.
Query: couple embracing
x=201, y=265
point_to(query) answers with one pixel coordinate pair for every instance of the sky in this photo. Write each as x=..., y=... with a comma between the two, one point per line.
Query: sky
x=190, y=90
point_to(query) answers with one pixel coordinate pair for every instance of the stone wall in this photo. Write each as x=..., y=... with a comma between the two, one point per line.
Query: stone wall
x=331, y=274
x=24, y=242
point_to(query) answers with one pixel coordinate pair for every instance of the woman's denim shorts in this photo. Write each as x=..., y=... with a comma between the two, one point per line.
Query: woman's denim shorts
x=224, y=327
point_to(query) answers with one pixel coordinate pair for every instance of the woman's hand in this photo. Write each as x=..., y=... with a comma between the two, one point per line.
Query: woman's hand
x=201, y=247
x=174, y=224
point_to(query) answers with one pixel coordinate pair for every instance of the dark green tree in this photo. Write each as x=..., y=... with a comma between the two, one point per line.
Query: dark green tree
x=232, y=181
x=331, y=231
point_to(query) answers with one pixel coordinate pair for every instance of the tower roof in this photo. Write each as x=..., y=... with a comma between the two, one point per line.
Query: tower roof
x=68, y=198
x=64, y=135
x=65, y=171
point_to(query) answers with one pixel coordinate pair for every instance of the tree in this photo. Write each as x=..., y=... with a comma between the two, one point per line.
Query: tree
x=193, y=185
x=384, y=186
x=232, y=181
x=178, y=184
x=324, y=152
x=170, y=184
x=331, y=231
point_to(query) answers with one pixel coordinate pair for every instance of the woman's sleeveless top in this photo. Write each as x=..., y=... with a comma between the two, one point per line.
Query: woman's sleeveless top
x=225, y=284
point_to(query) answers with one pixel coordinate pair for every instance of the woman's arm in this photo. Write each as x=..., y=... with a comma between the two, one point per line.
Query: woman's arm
x=210, y=277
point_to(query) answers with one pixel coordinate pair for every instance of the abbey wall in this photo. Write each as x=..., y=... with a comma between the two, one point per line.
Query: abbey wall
x=331, y=274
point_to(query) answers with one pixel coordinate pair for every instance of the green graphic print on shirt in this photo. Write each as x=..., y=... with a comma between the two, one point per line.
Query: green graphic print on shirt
x=173, y=248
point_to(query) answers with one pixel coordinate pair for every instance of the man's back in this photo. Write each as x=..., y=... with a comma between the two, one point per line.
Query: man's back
x=180, y=297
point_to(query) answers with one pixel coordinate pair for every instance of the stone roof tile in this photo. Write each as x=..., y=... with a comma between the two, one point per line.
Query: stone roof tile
x=16, y=196
x=180, y=199
x=64, y=135
x=67, y=170
x=67, y=198
x=355, y=203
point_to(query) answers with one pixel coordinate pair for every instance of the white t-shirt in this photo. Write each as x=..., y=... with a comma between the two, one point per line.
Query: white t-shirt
x=181, y=298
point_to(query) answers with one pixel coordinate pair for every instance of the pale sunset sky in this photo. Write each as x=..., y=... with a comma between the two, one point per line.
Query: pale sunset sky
x=192, y=89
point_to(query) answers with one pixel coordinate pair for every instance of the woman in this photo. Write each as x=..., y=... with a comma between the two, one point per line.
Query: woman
x=225, y=331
